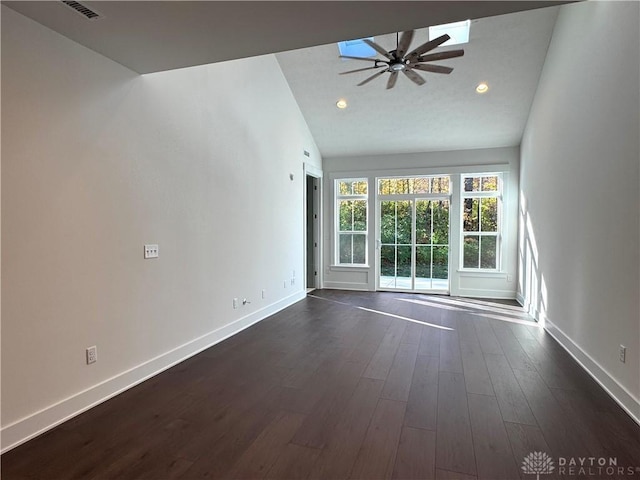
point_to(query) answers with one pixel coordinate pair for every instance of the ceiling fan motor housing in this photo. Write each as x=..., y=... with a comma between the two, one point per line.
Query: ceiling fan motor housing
x=407, y=63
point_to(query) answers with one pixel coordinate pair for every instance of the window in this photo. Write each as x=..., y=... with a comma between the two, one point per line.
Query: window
x=458, y=31
x=481, y=211
x=351, y=221
x=416, y=185
x=356, y=48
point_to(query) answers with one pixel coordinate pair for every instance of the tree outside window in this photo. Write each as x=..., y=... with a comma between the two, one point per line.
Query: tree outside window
x=481, y=206
x=351, y=219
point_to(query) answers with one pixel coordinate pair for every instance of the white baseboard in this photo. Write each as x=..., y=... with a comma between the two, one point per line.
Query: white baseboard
x=521, y=300
x=461, y=292
x=356, y=286
x=619, y=393
x=39, y=422
x=485, y=293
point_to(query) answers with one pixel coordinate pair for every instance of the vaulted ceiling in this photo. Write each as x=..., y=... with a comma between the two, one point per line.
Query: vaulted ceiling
x=506, y=50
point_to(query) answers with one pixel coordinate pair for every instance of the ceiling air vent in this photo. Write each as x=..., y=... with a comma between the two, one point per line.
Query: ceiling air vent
x=83, y=10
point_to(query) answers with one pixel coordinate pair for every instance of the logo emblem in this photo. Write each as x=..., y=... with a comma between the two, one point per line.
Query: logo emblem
x=537, y=463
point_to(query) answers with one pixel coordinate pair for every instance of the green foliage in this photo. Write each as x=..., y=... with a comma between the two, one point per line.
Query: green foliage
x=353, y=215
x=480, y=215
x=352, y=248
x=432, y=238
x=432, y=222
x=352, y=187
x=352, y=218
x=417, y=185
x=480, y=251
x=471, y=251
x=481, y=184
x=488, y=248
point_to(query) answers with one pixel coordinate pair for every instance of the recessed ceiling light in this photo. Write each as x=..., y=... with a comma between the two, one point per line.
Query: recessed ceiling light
x=341, y=104
x=482, y=88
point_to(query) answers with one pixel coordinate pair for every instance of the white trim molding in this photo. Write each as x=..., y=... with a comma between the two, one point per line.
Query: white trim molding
x=619, y=393
x=315, y=172
x=360, y=287
x=485, y=293
x=37, y=423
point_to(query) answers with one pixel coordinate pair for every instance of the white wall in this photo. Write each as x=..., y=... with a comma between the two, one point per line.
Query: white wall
x=98, y=161
x=579, y=202
x=500, y=284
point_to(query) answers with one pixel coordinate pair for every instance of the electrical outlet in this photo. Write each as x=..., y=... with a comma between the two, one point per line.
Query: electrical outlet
x=509, y=278
x=151, y=251
x=235, y=303
x=285, y=284
x=623, y=353
x=92, y=355
x=264, y=293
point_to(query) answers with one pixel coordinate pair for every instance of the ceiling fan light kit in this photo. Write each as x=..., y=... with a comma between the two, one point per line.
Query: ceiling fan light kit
x=399, y=60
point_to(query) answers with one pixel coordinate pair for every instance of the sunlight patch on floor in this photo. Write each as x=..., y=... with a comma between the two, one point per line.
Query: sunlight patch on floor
x=495, y=311
x=400, y=317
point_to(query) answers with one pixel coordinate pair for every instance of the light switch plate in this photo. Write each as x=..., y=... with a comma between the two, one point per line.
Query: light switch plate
x=151, y=251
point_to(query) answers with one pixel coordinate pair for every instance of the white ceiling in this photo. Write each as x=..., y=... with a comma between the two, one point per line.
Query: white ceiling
x=446, y=113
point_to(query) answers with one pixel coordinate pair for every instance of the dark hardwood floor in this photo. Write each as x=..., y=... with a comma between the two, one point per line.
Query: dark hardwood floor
x=331, y=389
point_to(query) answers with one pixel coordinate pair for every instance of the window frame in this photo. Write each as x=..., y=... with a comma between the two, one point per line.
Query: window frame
x=337, y=198
x=498, y=234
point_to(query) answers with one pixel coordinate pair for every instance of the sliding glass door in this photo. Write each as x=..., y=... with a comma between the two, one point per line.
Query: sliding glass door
x=413, y=245
x=396, y=244
x=432, y=245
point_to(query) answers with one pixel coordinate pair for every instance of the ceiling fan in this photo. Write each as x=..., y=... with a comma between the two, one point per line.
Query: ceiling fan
x=399, y=60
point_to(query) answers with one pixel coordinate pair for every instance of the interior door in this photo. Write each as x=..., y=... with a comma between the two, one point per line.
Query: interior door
x=313, y=231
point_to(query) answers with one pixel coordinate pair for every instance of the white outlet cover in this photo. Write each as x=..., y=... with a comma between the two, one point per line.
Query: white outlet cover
x=92, y=355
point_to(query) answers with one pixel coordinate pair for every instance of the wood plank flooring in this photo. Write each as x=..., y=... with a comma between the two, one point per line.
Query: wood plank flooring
x=338, y=386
